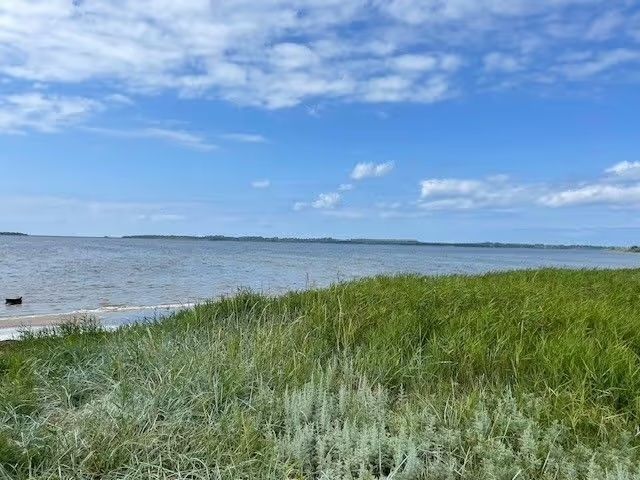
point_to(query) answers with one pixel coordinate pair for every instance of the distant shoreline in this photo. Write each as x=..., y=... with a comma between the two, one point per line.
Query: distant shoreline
x=350, y=241
x=364, y=241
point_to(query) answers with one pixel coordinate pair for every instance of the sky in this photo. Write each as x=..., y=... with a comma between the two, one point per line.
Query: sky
x=451, y=121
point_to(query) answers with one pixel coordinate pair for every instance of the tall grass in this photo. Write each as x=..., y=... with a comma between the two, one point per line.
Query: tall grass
x=529, y=375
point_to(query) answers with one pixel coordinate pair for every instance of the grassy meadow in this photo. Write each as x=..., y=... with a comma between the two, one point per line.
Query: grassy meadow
x=521, y=375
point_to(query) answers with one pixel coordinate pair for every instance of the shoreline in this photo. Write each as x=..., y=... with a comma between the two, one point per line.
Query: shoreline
x=109, y=317
x=328, y=360
x=339, y=241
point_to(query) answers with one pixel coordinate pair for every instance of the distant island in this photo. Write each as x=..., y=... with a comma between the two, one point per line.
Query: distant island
x=634, y=249
x=363, y=241
x=13, y=234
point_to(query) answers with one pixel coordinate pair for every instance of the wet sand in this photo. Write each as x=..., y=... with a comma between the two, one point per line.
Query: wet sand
x=10, y=327
x=34, y=321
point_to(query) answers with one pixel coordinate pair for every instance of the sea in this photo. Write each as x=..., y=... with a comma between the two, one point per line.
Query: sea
x=129, y=279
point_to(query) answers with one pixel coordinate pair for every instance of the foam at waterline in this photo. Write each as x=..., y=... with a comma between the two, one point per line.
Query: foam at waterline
x=102, y=310
x=109, y=317
x=16, y=333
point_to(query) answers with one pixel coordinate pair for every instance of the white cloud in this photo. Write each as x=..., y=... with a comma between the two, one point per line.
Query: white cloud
x=412, y=62
x=186, y=139
x=43, y=113
x=244, y=137
x=595, y=194
x=284, y=53
x=261, y=184
x=599, y=63
x=281, y=53
x=345, y=187
x=441, y=187
x=452, y=204
x=619, y=189
x=477, y=13
x=463, y=194
x=502, y=62
x=119, y=99
x=237, y=50
x=179, y=137
x=625, y=170
x=327, y=200
x=367, y=170
x=401, y=88
x=324, y=201
x=293, y=56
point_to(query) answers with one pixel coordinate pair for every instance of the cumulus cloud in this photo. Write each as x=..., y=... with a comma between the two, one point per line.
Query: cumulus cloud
x=331, y=200
x=324, y=201
x=261, y=184
x=462, y=194
x=368, y=170
x=595, y=194
x=619, y=187
x=44, y=113
x=327, y=200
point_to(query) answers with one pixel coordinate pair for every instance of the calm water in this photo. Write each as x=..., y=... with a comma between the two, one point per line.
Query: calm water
x=62, y=275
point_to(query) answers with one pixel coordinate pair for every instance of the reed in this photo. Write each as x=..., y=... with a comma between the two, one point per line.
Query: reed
x=529, y=375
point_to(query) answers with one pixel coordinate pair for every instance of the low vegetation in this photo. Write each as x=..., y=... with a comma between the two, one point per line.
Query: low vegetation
x=522, y=375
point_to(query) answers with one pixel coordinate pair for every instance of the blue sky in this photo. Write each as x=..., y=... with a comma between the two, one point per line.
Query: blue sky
x=459, y=120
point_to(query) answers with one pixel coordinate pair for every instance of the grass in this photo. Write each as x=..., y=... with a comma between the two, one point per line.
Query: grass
x=527, y=375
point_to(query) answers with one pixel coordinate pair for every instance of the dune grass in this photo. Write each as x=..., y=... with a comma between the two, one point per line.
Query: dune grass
x=528, y=375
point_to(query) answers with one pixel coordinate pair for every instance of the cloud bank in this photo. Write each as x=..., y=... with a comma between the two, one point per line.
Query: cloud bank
x=281, y=53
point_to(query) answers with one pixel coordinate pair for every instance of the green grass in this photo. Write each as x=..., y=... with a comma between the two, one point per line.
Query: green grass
x=527, y=375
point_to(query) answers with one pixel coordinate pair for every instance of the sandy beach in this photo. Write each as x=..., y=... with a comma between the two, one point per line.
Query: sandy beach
x=113, y=317
x=11, y=327
x=34, y=321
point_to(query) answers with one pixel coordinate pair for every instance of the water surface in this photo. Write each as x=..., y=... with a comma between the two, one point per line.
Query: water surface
x=62, y=275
